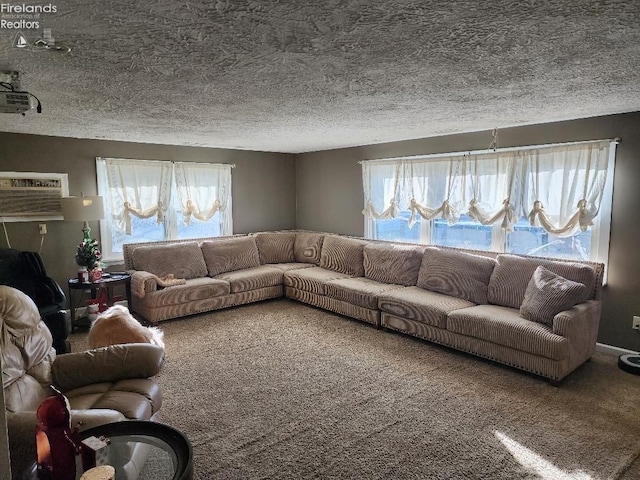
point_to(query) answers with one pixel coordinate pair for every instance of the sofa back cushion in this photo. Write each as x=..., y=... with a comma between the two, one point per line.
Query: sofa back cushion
x=397, y=264
x=308, y=247
x=182, y=259
x=342, y=254
x=512, y=274
x=275, y=247
x=230, y=255
x=457, y=274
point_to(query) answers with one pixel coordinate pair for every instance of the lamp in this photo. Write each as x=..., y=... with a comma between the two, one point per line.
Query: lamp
x=83, y=209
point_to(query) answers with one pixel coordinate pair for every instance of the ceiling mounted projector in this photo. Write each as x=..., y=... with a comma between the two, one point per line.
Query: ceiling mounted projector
x=14, y=102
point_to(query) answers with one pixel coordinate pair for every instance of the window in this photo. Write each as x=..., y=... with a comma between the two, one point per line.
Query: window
x=154, y=200
x=550, y=201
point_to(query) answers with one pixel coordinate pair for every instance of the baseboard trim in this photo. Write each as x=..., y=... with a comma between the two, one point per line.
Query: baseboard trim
x=611, y=350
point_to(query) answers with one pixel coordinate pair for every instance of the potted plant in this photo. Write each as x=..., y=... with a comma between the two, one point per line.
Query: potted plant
x=88, y=257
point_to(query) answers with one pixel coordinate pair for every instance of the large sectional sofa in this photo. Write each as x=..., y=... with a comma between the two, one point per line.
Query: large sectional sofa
x=536, y=314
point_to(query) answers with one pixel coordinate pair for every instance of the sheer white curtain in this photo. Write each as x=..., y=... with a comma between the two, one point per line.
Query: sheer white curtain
x=494, y=190
x=436, y=188
x=565, y=186
x=380, y=181
x=203, y=189
x=557, y=187
x=136, y=188
x=426, y=188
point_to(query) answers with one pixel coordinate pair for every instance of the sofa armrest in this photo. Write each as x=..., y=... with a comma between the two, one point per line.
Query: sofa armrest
x=143, y=282
x=106, y=364
x=579, y=325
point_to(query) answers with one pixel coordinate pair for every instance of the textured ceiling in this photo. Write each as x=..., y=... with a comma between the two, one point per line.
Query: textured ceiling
x=292, y=76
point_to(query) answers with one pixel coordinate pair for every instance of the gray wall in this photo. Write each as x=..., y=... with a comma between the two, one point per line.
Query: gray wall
x=263, y=187
x=330, y=198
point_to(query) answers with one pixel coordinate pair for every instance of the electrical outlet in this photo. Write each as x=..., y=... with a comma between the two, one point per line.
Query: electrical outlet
x=43, y=228
x=636, y=323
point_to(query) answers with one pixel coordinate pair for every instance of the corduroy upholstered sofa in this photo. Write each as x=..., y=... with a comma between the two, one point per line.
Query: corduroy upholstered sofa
x=535, y=314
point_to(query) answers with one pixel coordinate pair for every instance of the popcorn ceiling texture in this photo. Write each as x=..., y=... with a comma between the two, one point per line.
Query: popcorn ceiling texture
x=292, y=76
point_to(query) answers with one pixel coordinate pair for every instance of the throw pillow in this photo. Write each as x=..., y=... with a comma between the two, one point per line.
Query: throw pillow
x=549, y=294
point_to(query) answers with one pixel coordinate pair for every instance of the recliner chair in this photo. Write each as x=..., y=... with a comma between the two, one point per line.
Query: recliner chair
x=25, y=271
x=103, y=385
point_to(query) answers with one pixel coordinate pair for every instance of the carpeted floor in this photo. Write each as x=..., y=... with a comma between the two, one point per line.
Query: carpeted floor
x=280, y=390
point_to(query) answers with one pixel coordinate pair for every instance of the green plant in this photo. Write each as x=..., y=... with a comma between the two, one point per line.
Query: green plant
x=88, y=254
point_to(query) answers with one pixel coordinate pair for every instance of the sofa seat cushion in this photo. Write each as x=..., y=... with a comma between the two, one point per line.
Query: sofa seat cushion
x=311, y=279
x=504, y=326
x=359, y=291
x=195, y=289
x=424, y=306
x=230, y=254
x=182, y=259
x=252, y=278
x=398, y=264
x=512, y=274
x=343, y=254
x=454, y=273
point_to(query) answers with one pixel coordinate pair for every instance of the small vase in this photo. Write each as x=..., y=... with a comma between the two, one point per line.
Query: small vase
x=83, y=275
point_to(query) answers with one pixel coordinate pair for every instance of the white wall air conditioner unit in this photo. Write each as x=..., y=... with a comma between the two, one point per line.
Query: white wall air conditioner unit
x=31, y=196
x=14, y=102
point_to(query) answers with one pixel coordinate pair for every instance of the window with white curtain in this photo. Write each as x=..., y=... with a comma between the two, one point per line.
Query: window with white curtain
x=147, y=200
x=547, y=200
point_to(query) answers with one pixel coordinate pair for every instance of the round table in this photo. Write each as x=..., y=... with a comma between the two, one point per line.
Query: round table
x=169, y=457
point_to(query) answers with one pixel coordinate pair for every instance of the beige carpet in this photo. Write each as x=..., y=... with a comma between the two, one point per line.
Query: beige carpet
x=282, y=390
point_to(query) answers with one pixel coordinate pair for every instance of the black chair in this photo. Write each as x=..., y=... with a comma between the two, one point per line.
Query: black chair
x=25, y=271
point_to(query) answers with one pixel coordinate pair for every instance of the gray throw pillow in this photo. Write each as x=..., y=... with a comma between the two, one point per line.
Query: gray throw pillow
x=549, y=294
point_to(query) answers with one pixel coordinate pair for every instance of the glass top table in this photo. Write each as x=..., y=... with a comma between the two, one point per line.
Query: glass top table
x=168, y=451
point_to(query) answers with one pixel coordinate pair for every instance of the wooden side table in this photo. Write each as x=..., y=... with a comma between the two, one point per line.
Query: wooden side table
x=108, y=282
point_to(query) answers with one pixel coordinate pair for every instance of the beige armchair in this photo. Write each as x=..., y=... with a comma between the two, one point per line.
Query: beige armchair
x=103, y=385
